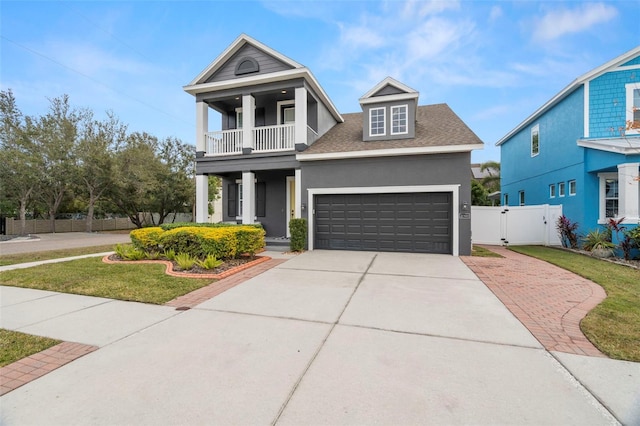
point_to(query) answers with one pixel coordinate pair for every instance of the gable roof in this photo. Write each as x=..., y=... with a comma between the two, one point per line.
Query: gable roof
x=233, y=48
x=200, y=84
x=594, y=73
x=438, y=130
x=374, y=95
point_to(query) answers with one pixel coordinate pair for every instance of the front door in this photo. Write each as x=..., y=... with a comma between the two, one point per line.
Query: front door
x=291, y=201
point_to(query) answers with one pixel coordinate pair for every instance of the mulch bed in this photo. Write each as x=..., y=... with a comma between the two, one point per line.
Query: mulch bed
x=229, y=267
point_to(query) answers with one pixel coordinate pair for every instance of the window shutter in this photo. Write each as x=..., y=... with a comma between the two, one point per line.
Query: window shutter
x=231, y=116
x=260, y=120
x=261, y=199
x=232, y=203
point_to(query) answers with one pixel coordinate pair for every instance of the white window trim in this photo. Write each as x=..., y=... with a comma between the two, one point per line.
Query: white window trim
x=562, y=189
x=602, y=213
x=239, y=111
x=384, y=121
x=406, y=124
x=575, y=188
x=552, y=190
x=534, y=129
x=279, y=106
x=629, y=107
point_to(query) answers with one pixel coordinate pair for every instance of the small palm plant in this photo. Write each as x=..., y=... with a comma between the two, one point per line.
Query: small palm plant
x=209, y=262
x=599, y=243
x=185, y=261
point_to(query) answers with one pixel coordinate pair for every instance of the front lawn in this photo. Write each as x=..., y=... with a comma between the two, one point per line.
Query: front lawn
x=91, y=277
x=14, y=346
x=614, y=325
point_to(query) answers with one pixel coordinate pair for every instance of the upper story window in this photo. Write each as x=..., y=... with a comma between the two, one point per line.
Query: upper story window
x=561, y=189
x=633, y=108
x=506, y=200
x=552, y=191
x=521, y=198
x=535, y=140
x=572, y=187
x=399, y=120
x=377, y=121
x=238, y=118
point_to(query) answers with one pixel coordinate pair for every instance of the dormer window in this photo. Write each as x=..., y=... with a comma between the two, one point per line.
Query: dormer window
x=399, y=120
x=377, y=122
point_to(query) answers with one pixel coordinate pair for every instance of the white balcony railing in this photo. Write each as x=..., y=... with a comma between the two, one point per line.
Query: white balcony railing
x=265, y=139
x=274, y=138
x=225, y=142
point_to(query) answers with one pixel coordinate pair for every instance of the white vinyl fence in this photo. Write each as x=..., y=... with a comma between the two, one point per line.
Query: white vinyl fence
x=523, y=225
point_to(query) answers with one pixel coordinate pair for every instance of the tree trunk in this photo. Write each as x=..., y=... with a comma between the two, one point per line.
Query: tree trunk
x=23, y=216
x=89, y=227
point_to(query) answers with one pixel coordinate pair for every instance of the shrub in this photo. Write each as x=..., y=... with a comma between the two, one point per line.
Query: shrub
x=147, y=239
x=182, y=240
x=567, y=231
x=170, y=226
x=129, y=252
x=597, y=239
x=250, y=239
x=630, y=241
x=209, y=262
x=170, y=254
x=185, y=261
x=298, y=230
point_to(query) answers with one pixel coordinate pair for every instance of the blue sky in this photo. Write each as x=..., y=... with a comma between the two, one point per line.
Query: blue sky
x=493, y=62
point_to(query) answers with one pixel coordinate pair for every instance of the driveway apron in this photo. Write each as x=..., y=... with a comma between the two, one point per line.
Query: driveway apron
x=324, y=338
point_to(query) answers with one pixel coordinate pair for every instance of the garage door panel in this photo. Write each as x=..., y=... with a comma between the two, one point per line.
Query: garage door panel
x=407, y=222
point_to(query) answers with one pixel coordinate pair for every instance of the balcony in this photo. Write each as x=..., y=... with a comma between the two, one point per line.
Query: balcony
x=264, y=139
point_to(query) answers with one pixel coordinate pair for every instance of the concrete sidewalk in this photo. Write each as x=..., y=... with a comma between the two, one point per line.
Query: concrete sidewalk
x=324, y=338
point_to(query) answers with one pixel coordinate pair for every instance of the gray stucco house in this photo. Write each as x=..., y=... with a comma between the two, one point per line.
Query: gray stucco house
x=394, y=177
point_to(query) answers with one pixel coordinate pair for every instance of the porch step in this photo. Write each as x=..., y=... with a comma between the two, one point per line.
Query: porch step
x=276, y=242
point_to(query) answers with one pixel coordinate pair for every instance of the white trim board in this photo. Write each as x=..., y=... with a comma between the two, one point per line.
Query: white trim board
x=391, y=152
x=453, y=189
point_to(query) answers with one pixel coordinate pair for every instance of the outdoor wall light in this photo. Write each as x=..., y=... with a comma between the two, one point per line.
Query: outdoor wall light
x=303, y=207
x=465, y=207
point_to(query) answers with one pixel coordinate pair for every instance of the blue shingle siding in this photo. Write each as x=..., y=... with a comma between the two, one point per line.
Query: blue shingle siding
x=607, y=102
x=634, y=61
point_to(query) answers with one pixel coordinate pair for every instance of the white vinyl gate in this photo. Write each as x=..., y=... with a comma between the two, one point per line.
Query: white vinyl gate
x=522, y=225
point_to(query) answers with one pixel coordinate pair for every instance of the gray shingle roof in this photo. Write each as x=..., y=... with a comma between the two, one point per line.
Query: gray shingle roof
x=436, y=125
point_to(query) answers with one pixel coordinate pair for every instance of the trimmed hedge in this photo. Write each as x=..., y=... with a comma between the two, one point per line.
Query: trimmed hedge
x=224, y=242
x=298, y=230
x=170, y=226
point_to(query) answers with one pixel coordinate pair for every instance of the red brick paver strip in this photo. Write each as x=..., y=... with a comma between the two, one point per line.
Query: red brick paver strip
x=14, y=375
x=548, y=300
x=205, y=293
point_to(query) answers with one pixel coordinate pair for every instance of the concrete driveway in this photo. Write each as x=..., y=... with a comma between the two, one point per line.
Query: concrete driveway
x=325, y=338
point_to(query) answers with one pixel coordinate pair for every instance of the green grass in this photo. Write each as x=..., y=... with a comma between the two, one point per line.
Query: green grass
x=483, y=252
x=140, y=283
x=13, y=259
x=14, y=346
x=614, y=325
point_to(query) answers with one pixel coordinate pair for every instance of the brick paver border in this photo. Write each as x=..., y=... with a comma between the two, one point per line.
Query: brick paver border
x=21, y=372
x=548, y=300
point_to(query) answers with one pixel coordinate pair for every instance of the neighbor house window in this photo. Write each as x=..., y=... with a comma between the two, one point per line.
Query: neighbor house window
x=552, y=191
x=608, y=196
x=561, y=189
x=535, y=140
x=521, y=198
x=572, y=187
x=633, y=109
x=399, y=120
x=506, y=200
x=376, y=121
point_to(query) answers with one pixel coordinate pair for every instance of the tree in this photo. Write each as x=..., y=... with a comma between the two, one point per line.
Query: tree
x=57, y=136
x=479, y=194
x=95, y=158
x=152, y=176
x=21, y=165
x=492, y=180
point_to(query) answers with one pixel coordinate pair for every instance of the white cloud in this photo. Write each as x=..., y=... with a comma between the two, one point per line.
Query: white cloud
x=422, y=9
x=557, y=23
x=360, y=37
x=496, y=13
x=436, y=36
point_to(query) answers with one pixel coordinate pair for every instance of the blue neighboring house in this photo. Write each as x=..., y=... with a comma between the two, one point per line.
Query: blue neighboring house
x=581, y=149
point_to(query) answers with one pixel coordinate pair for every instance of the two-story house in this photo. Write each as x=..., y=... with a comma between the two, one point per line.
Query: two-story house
x=581, y=149
x=394, y=177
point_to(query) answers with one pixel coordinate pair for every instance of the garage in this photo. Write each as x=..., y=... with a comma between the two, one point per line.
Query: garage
x=402, y=222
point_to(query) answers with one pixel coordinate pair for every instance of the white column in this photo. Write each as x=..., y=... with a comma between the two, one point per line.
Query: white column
x=202, y=125
x=248, y=122
x=629, y=191
x=297, y=209
x=248, y=197
x=301, y=116
x=202, y=198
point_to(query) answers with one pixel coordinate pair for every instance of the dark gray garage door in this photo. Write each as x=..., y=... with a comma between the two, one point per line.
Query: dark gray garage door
x=413, y=222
